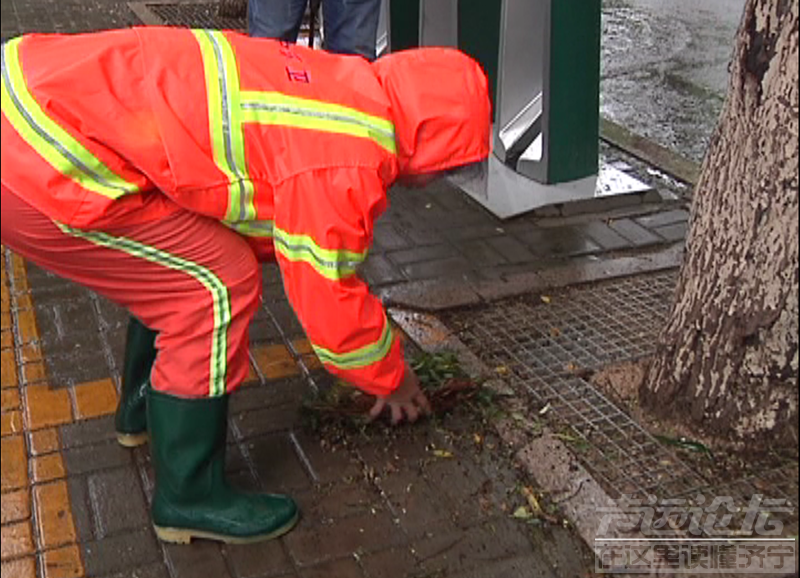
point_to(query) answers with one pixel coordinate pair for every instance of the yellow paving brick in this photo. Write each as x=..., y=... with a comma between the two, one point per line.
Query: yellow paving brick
x=47, y=407
x=15, y=506
x=24, y=302
x=9, y=399
x=303, y=347
x=95, y=398
x=34, y=372
x=16, y=540
x=5, y=320
x=48, y=468
x=53, y=515
x=30, y=353
x=62, y=563
x=21, y=568
x=28, y=332
x=20, y=274
x=275, y=361
x=8, y=339
x=43, y=441
x=11, y=423
x=13, y=464
x=8, y=368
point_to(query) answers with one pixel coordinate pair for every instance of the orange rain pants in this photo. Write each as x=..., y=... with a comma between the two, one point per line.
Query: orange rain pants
x=178, y=275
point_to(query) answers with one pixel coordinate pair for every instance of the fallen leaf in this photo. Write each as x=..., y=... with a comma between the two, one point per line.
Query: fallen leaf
x=533, y=501
x=443, y=454
x=546, y=299
x=522, y=513
x=478, y=439
x=555, y=332
x=501, y=370
x=545, y=409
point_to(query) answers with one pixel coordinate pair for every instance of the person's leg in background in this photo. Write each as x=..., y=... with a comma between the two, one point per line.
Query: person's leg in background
x=197, y=285
x=280, y=19
x=351, y=26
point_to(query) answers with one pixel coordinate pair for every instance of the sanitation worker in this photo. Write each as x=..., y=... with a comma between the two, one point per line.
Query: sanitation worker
x=158, y=166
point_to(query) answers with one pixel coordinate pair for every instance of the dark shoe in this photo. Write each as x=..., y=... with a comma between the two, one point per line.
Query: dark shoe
x=191, y=497
x=140, y=353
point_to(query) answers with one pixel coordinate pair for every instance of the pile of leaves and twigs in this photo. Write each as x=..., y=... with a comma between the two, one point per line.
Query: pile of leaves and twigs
x=441, y=378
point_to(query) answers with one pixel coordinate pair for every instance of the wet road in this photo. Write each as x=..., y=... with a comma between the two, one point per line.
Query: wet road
x=665, y=67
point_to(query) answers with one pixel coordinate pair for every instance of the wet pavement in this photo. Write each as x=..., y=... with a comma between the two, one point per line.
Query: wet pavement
x=665, y=68
x=377, y=503
x=74, y=504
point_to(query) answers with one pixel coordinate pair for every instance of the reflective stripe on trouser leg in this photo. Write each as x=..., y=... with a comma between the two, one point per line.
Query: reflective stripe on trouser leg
x=219, y=293
x=169, y=301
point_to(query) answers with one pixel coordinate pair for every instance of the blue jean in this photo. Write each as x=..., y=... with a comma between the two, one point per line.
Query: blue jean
x=351, y=26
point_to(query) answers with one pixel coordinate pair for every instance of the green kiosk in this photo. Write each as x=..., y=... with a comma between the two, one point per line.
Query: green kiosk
x=543, y=62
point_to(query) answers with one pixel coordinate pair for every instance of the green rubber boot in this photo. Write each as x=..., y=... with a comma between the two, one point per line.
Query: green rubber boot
x=140, y=353
x=191, y=498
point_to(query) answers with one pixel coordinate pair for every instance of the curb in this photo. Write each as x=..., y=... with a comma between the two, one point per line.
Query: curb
x=438, y=295
x=649, y=151
x=545, y=457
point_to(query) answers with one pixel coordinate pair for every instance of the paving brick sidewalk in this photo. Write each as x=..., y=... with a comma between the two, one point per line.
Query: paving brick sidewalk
x=74, y=503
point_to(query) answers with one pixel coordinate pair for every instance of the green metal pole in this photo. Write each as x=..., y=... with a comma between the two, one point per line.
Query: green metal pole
x=574, y=89
x=404, y=24
x=479, y=34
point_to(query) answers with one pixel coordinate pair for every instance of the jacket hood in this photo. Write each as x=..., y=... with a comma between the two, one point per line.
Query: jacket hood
x=440, y=106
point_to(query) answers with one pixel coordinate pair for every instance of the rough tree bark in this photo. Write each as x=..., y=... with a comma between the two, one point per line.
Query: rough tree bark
x=727, y=362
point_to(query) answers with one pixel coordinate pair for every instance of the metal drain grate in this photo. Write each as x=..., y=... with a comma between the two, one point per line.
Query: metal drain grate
x=543, y=344
x=196, y=16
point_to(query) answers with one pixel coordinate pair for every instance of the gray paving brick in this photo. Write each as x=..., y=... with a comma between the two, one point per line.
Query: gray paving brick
x=387, y=237
x=466, y=487
x=600, y=204
x=87, y=432
x=484, y=231
x=264, y=331
x=81, y=508
x=395, y=563
x=257, y=422
x=117, y=501
x=200, y=559
x=330, y=466
x=418, y=503
x=261, y=560
x=121, y=552
x=421, y=254
x=378, y=270
x=419, y=232
x=481, y=254
x=557, y=242
x=338, y=569
x=441, y=268
x=277, y=463
x=285, y=317
x=526, y=567
x=96, y=457
x=604, y=236
x=338, y=501
x=676, y=232
x=83, y=365
x=511, y=249
x=473, y=548
x=635, y=233
x=274, y=394
x=663, y=219
x=153, y=571
x=312, y=544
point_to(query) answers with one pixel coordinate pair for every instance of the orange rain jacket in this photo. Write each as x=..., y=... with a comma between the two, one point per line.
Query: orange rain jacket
x=293, y=148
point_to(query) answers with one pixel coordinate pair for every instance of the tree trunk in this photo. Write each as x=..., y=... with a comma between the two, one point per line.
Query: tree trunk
x=727, y=361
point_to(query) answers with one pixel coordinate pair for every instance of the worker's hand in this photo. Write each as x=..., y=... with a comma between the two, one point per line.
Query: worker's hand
x=407, y=402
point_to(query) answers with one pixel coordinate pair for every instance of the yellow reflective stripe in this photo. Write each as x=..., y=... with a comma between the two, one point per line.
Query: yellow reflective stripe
x=333, y=264
x=221, y=305
x=225, y=121
x=362, y=357
x=264, y=229
x=55, y=145
x=273, y=108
